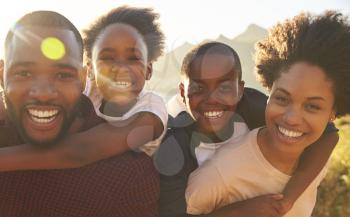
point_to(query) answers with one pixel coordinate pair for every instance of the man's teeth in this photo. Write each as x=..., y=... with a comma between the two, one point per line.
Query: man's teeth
x=213, y=114
x=122, y=84
x=41, y=116
x=289, y=133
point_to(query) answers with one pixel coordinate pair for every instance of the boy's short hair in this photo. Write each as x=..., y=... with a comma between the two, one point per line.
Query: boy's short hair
x=45, y=19
x=144, y=20
x=322, y=40
x=210, y=48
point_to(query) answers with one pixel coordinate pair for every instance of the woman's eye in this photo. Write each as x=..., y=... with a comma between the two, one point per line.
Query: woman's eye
x=281, y=100
x=312, y=107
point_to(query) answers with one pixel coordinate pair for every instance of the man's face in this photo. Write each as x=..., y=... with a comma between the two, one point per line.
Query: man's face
x=42, y=81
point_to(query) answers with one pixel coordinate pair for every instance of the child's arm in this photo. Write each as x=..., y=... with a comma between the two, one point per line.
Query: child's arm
x=99, y=142
x=311, y=163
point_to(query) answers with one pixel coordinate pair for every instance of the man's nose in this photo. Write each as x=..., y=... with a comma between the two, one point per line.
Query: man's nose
x=43, y=90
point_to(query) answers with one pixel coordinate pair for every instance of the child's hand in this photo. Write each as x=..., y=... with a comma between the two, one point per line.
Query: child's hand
x=262, y=206
x=285, y=206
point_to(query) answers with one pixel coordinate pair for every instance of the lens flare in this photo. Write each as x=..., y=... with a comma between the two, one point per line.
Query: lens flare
x=53, y=48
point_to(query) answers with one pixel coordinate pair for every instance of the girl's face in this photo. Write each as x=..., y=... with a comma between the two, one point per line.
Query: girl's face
x=212, y=90
x=119, y=61
x=300, y=105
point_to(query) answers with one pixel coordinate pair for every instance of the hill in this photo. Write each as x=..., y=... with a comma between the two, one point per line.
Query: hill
x=166, y=76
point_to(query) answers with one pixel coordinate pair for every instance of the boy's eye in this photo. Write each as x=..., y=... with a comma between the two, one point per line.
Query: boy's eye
x=227, y=87
x=106, y=58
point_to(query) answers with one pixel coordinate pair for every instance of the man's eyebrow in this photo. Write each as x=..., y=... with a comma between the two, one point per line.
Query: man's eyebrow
x=65, y=65
x=21, y=64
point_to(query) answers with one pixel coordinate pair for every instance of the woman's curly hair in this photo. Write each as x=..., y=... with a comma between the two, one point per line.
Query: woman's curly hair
x=322, y=40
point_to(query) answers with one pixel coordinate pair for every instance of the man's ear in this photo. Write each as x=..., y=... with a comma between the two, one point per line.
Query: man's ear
x=2, y=73
x=182, y=91
x=149, y=71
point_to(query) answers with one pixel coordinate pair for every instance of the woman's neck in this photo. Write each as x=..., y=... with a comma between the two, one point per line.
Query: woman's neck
x=285, y=162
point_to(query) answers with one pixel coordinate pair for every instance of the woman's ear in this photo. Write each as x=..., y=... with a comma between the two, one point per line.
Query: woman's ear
x=332, y=117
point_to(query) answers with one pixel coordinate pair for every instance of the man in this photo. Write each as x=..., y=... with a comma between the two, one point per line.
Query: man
x=42, y=77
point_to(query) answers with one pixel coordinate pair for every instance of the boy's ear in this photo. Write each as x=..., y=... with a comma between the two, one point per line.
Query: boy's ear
x=241, y=89
x=2, y=73
x=182, y=91
x=149, y=71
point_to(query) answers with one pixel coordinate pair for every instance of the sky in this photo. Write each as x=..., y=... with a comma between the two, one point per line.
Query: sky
x=181, y=20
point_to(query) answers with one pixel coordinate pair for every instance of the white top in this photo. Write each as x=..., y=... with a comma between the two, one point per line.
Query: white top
x=147, y=102
x=205, y=151
x=239, y=171
x=175, y=105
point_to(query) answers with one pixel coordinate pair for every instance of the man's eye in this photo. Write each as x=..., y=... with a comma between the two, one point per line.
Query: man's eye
x=23, y=73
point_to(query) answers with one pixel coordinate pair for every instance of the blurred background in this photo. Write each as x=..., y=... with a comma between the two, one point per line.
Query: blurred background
x=237, y=23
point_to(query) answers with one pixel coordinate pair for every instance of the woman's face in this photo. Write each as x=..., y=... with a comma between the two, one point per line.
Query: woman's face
x=300, y=105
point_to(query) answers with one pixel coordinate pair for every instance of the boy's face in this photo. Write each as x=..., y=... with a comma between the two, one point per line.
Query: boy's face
x=42, y=87
x=119, y=61
x=211, y=92
x=299, y=107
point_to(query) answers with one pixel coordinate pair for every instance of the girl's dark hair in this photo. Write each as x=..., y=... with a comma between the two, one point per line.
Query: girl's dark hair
x=144, y=20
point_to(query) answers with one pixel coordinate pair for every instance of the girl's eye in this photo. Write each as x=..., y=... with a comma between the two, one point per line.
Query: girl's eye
x=64, y=75
x=195, y=88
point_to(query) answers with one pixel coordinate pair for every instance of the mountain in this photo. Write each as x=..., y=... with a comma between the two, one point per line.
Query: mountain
x=166, y=70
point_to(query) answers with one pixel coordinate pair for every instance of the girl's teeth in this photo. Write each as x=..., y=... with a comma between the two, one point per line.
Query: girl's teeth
x=122, y=84
x=289, y=133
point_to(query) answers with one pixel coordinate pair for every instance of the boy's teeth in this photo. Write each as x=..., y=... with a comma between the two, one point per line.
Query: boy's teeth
x=289, y=133
x=213, y=114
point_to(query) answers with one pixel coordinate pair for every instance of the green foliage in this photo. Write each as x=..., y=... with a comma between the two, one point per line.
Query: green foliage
x=334, y=192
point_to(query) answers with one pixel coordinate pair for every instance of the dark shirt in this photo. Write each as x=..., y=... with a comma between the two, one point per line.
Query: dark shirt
x=126, y=185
